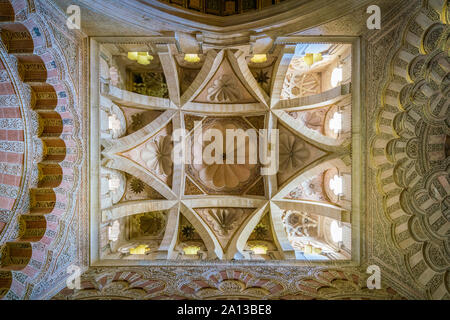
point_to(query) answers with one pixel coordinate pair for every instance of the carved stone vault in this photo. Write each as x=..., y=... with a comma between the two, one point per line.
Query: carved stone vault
x=87, y=179
x=230, y=208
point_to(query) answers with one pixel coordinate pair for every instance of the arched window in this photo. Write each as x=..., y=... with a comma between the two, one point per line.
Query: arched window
x=113, y=122
x=113, y=76
x=114, y=231
x=191, y=250
x=336, y=185
x=336, y=122
x=113, y=182
x=336, y=77
x=336, y=231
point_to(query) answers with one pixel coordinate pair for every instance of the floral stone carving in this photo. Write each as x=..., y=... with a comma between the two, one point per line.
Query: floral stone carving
x=224, y=219
x=157, y=155
x=293, y=152
x=223, y=89
x=223, y=175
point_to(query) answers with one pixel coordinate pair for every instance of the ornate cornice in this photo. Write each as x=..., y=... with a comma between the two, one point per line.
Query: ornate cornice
x=286, y=17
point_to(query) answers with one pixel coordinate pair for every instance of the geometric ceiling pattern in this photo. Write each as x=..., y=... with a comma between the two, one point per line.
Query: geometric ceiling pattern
x=89, y=189
x=224, y=201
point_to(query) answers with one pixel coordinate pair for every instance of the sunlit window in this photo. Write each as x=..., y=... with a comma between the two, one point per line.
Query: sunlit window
x=336, y=185
x=336, y=122
x=259, y=249
x=113, y=182
x=336, y=77
x=141, y=57
x=113, y=76
x=310, y=249
x=114, y=231
x=191, y=57
x=259, y=58
x=336, y=231
x=191, y=250
x=141, y=249
x=113, y=122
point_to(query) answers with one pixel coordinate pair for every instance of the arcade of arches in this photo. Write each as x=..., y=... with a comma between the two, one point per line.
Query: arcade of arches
x=350, y=127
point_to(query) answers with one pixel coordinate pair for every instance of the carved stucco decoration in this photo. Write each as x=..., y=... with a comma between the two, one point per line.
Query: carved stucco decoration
x=381, y=47
x=293, y=152
x=116, y=286
x=300, y=224
x=154, y=154
x=224, y=219
x=313, y=119
x=224, y=222
x=225, y=86
x=149, y=224
x=224, y=175
x=285, y=18
x=53, y=112
x=232, y=289
x=297, y=84
x=300, y=283
x=224, y=89
x=157, y=155
x=339, y=285
x=432, y=195
x=136, y=189
x=409, y=150
x=300, y=81
x=311, y=189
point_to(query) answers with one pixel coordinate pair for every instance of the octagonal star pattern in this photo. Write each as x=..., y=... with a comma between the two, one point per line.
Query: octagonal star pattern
x=225, y=205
